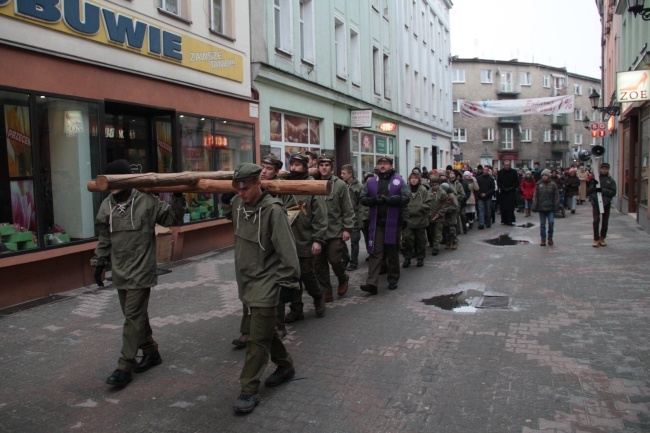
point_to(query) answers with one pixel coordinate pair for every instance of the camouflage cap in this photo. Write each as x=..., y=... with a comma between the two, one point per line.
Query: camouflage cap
x=247, y=170
x=273, y=160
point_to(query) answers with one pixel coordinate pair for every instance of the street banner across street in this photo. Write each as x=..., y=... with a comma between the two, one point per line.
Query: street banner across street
x=518, y=107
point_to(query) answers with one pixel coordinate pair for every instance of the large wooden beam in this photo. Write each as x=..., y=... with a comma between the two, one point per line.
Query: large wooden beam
x=107, y=182
x=209, y=186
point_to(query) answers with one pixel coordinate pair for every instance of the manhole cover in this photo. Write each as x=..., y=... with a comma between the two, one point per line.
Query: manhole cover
x=505, y=240
x=494, y=302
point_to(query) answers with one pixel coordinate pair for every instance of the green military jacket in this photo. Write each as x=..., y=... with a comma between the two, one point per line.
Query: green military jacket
x=340, y=215
x=354, y=189
x=127, y=238
x=419, y=208
x=439, y=203
x=309, y=228
x=451, y=216
x=457, y=186
x=265, y=251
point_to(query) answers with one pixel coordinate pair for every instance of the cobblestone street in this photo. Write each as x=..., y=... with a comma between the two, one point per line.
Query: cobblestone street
x=569, y=354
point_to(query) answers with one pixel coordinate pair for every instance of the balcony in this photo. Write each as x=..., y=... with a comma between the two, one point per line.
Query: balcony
x=509, y=147
x=560, y=120
x=509, y=119
x=559, y=145
x=509, y=89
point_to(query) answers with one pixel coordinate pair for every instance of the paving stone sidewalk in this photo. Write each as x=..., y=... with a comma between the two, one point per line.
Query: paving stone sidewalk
x=570, y=354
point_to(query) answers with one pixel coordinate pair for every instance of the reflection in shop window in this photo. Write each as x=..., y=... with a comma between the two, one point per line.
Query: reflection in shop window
x=212, y=145
x=290, y=134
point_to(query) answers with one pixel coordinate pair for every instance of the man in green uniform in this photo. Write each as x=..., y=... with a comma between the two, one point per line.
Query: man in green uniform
x=354, y=189
x=414, y=236
x=340, y=222
x=439, y=206
x=126, y=223
x=309, y=231
x=268, y=270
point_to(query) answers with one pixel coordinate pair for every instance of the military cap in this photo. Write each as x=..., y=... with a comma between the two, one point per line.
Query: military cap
x=386, y=158
x=434, y=180
x=273, y=160
x=301, y=157
x=326, y=157
x=604, y=165
x=247, y=170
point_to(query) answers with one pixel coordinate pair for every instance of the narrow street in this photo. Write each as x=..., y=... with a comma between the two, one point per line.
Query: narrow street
x=568, y=353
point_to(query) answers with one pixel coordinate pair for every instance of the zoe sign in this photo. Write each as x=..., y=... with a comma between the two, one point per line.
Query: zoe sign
x=633, y=86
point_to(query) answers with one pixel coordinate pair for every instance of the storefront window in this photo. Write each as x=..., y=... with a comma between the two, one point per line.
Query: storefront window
x=367, y=148
x=290, y=134
x=645, y=147
x=212, y=145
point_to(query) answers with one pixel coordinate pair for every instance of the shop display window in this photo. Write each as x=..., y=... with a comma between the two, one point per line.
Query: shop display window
x=367, y=148
x=291, y=134
x=212, y=145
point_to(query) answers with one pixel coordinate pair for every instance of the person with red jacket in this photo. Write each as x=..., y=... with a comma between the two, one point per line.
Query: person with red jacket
x=527, y=188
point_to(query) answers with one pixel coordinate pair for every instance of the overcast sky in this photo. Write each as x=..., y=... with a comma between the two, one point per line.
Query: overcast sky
x=561, y=33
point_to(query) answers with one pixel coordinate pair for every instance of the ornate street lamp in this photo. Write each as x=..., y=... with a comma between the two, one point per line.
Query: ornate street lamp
x=594, y=98
x=636, y=7
x=586, y=121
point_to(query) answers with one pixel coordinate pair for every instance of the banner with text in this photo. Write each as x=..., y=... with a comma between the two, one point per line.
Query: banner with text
x=518, y=107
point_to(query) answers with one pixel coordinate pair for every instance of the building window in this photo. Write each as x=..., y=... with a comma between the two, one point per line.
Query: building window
x=577, y=89
x=290, y=134
x=488, y=134
x=340, y=49
x=425, y=95
x=460, y=135
x=355, y=58
x=307, y=31
x=367, y=147
x=524, y=78
x=387, y=93
x=547, y=136
x=416, y=90
x=458, y=76
x=407, y=85
x=283, y=26
x=486, y=76
x=577, y=139
x=526, y=135
x=558, y=135
x=171, y=6
x=218, y=15
x=507, y=142
x=577, y=114
x=376, y=70
x=547, y=82
x=457, y=104
x=432, y=101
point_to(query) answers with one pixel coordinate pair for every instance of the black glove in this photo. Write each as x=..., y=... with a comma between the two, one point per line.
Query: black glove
x=369, y=201
x=394, y=200
x=380, y=199
x=99, y=270
x=599, y=190
x=286, y=295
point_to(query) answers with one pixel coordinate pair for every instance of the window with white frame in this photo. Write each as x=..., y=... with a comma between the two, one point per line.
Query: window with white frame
x=547, y=82
x=488, y=134
x=458, y=75
x=425, y=95
x=414, y=19
x=558, y=135
x=171, y=6
x=577, y=114
x=376, y=69
x=355, y=58
x=457, y=104
x=486, y=76
x=577, y=138
x=526, y=135
x=460, y=135
x=384, y=6
x=387, y=93
x=432, y=101
x=375, y=5
x=524, y=78
x=407, y=85
x=416, y=90
x=507, y=138
x=340, y=49
x=218, y=10
x=577, y=89
x=547, y=136
x=283, y=26
x=307, y=31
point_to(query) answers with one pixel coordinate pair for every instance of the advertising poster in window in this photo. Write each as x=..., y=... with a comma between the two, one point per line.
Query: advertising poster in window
x=19, y=142
x=381, y=145
x=164, y=146
x=73, y=123
x=296, y=129
x=23, y=210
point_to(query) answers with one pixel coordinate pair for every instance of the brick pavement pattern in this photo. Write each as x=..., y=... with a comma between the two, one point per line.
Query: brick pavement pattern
x=569, y=355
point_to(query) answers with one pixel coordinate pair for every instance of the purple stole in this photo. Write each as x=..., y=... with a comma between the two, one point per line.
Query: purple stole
x=392, y=215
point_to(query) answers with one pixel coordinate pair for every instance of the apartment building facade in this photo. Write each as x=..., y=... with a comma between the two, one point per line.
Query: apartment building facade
x=330, y=76
x=551, y=140
x=163, y=83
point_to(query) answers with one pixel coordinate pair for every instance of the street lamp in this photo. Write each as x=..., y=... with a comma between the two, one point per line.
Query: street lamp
x=594, y=98
x=586, y=121
x=636, y=7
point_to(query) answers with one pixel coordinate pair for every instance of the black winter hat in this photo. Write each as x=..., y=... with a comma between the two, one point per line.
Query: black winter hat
x=120, y=166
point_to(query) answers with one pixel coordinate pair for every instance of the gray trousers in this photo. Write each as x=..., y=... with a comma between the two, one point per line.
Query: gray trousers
x=136, y=332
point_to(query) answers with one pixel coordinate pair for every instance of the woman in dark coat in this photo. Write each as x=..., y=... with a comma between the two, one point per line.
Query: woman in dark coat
x=508, y=183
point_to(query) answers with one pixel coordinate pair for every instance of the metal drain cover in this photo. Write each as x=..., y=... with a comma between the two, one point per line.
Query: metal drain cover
x=494, y=302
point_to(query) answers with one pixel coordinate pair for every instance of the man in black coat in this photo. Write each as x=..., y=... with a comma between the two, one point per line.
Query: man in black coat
x=485, y=183
x=508, y=182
